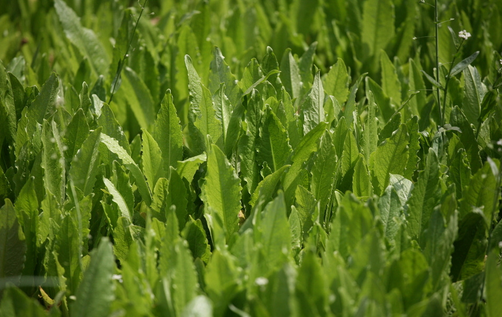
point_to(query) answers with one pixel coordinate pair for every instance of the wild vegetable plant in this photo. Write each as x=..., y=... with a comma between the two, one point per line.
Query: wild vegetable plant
x=260, y=158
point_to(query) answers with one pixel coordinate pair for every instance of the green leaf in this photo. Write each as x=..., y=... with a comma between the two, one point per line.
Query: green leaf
x=53, y=161
x=431, y=79
x=118, y=199
x=184, y=278
x=361, y=184
x=12, y=244
x=323, y=171
x=96, y=291
x=290, y=74
x=336, y=82
x=267, y=187
x=276, y=235
x=84, y=39
x=220, y=73
x=378, y=24
x=129, y=163
x=221, y=281
x=370, y=127
x=311, y=289
x=83, y=169
x=313, y=105
x=424, y=196
x=16, y=303
x=274, y=145
x=76, y=133
x=68, y=246
x=138, y=96
x=222, y=192
x=390, y=82
x=390, y=157
x=416, y=83
x=474, y=94
x=167, y=132
x=152, y=160
x=197, y=241
x=493, y=282
x=463, y=64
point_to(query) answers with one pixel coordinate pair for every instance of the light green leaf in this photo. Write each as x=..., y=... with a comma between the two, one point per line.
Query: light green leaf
x=16, y=303
x=323, y=171
x=84, y=39
x=167, y=132
x=290, y=74
x=129, y=163
x=416, y=84
x=137, y=95
x=83, y=169
x=96, y=291
x=266, y=188
x=361, y=184
x=474, y=93
x=184, y=278
x=463, y=64
x=390, y=157
x=220, y=73
x=274, y=145
x=76, y=133
x=378, y=24
x=152, y=160
x=118, y=199
x=53, y=161
x=424, y=196
x=221, y=191
x=313, y=106
x=390, y=82
x=276, y=235
x=221, y=281
x=370, y=127
x=336, y=82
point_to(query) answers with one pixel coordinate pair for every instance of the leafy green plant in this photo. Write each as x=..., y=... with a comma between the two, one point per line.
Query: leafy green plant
x=255, y=158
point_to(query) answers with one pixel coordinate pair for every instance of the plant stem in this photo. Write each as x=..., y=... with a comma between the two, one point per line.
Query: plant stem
x=436, y=22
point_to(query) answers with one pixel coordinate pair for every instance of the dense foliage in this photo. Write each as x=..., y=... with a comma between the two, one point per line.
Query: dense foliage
x=325, y=167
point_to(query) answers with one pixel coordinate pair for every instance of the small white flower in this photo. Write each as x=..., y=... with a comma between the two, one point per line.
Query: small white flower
x=464, y=34
x=261, y=281
x=500, y=61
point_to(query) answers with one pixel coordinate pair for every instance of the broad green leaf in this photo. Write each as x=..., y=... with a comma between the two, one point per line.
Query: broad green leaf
x=275, y=231
x=390, y=82
x=53, y=161
x=463, y=64
x=112, y=128
x=83, y=169
x=118, y=199
x=482, y=193
x=323, y=171
x=221, y=281
x=152, y=160
x=16, y=303
x=413, y=149
x=290, y=74
x=68, y=246
x=220, y=73
x=467, y=137
x=381, y=100
x=7, y=107
x=311, y=289
x=129, y=163
x=439, y=244
x=313, y=105
x=390, y=157
x=274, y=145
x=351, y=101
x=424, y=196
x=267, y=187
x=493, y=285
x=203, y=113
x=178, y=196
x=96, y=291
x=138, y=97
x=336, y=82
x=370, y=127
x=76, y=133
x=187, y=168
x=361, y=184
x=474, y=94
x=378, y=24
x=416, y=84
x=167, y=132
x=221, y=191
x=308, y=145
x=185, y=278
x=305, y=67
x=84, y=39
x=197, y=241
x=12, y=244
